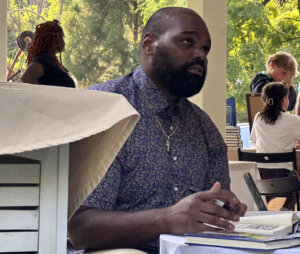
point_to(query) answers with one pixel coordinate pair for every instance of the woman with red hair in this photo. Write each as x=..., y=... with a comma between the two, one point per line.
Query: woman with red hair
x=43, y=65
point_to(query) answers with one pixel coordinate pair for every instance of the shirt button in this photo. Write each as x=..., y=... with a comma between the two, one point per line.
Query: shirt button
x=175, y=158
x=175, y=188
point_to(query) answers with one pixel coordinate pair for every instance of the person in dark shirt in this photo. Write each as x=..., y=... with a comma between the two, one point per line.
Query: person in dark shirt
x=281, y=67
x=43, y=65
x=174, y=150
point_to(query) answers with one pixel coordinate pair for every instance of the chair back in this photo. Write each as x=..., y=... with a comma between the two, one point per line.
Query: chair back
x=254, y=105
x=269, y=157
x=273, y=187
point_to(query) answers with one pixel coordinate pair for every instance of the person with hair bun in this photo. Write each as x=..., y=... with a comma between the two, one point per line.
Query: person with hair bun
x=43, y=65
x=275, y=131
x=280, y=67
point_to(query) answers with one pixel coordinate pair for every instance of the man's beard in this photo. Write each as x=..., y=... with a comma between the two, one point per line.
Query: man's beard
x=177, y=80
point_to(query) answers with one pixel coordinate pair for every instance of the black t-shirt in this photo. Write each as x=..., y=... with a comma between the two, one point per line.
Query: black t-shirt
x=54, y=75
x=262, y=78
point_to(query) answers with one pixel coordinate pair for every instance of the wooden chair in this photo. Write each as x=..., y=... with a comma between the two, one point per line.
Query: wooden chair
x=254, y=105
x=276, y=187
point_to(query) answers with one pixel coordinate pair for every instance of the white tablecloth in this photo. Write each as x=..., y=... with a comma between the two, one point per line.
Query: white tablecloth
x=171, y=244
x=238, y=184
x=96, y=124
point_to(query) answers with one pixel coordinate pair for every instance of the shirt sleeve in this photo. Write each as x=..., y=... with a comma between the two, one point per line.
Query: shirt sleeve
x=292, y=98
x=105, y=194
x=296, y=127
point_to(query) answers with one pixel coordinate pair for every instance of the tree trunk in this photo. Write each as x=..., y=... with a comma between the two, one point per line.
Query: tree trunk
x=136, y=22
x=61, y=7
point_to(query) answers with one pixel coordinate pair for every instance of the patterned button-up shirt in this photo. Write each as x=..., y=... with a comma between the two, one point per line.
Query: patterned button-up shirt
x=145, y=175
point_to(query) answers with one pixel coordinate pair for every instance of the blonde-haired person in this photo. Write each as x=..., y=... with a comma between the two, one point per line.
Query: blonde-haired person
x=280, y=67
x=275, y=131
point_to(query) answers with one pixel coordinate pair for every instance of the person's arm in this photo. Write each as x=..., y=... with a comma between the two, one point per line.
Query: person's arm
x=292, y=98
x=32, y=73
x=98, y=229
x=297, y=107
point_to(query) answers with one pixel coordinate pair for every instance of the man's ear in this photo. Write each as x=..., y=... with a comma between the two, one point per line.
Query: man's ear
x=149, y=43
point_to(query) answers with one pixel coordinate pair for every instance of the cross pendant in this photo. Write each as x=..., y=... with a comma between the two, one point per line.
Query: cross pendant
x=168, y=144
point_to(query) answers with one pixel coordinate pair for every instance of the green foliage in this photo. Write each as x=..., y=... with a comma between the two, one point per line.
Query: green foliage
x=254, y=31
x=21, y=17
x=102, y=37
x=147, y=8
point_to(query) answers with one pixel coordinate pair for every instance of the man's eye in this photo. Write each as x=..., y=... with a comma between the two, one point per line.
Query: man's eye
x=205, y=50
x=187, y=41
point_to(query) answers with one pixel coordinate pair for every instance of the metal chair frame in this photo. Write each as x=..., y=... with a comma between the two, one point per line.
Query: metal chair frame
x=272, y=187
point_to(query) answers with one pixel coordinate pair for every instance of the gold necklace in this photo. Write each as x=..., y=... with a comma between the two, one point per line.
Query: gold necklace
x=160, y=126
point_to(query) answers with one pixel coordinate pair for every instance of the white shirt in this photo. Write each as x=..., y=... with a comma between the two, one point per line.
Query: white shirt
x=276, y=138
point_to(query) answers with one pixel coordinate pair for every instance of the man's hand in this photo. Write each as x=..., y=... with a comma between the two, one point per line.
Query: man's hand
x=288, y=79
x=193, y=213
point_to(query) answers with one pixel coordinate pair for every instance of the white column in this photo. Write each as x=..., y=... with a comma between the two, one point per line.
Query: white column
x=3, y=39
x=212, y=98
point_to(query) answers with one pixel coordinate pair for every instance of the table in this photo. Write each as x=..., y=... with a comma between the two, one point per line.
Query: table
x=238, y=184
x=170, y=244
x=56, y=145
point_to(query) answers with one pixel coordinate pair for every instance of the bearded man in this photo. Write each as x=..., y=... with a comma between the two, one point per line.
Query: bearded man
x=174, y=149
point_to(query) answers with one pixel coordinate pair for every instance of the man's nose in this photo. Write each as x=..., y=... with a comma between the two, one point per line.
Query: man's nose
x=200, y=54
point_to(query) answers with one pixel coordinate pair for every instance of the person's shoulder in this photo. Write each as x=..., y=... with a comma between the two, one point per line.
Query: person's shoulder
x=259, y=80
x=287, y=116
x=119, y=85
x=257, y=118
x=261, y=76
x=196, y=111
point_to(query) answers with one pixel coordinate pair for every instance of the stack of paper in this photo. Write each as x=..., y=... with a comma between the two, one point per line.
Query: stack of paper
x=233, y=137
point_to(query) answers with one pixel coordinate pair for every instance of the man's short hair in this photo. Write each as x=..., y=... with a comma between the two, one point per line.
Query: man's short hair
x=156, y=24
x=283, y=60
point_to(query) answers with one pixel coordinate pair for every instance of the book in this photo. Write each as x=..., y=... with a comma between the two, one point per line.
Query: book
x=236, y=137
x=261, y=232
x=233, y=129
x=233, y=136
x=244, y=241
x=269, y=224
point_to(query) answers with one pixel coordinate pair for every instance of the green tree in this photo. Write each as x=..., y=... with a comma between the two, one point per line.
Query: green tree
x=256, y=29
x=24, y=15
x=147, y=8
x=102, y=37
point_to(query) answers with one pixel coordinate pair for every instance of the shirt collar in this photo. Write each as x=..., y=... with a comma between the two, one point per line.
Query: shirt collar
x=150, y=91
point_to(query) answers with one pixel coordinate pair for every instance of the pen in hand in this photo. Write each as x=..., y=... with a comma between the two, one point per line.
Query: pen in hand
x=217, y=201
